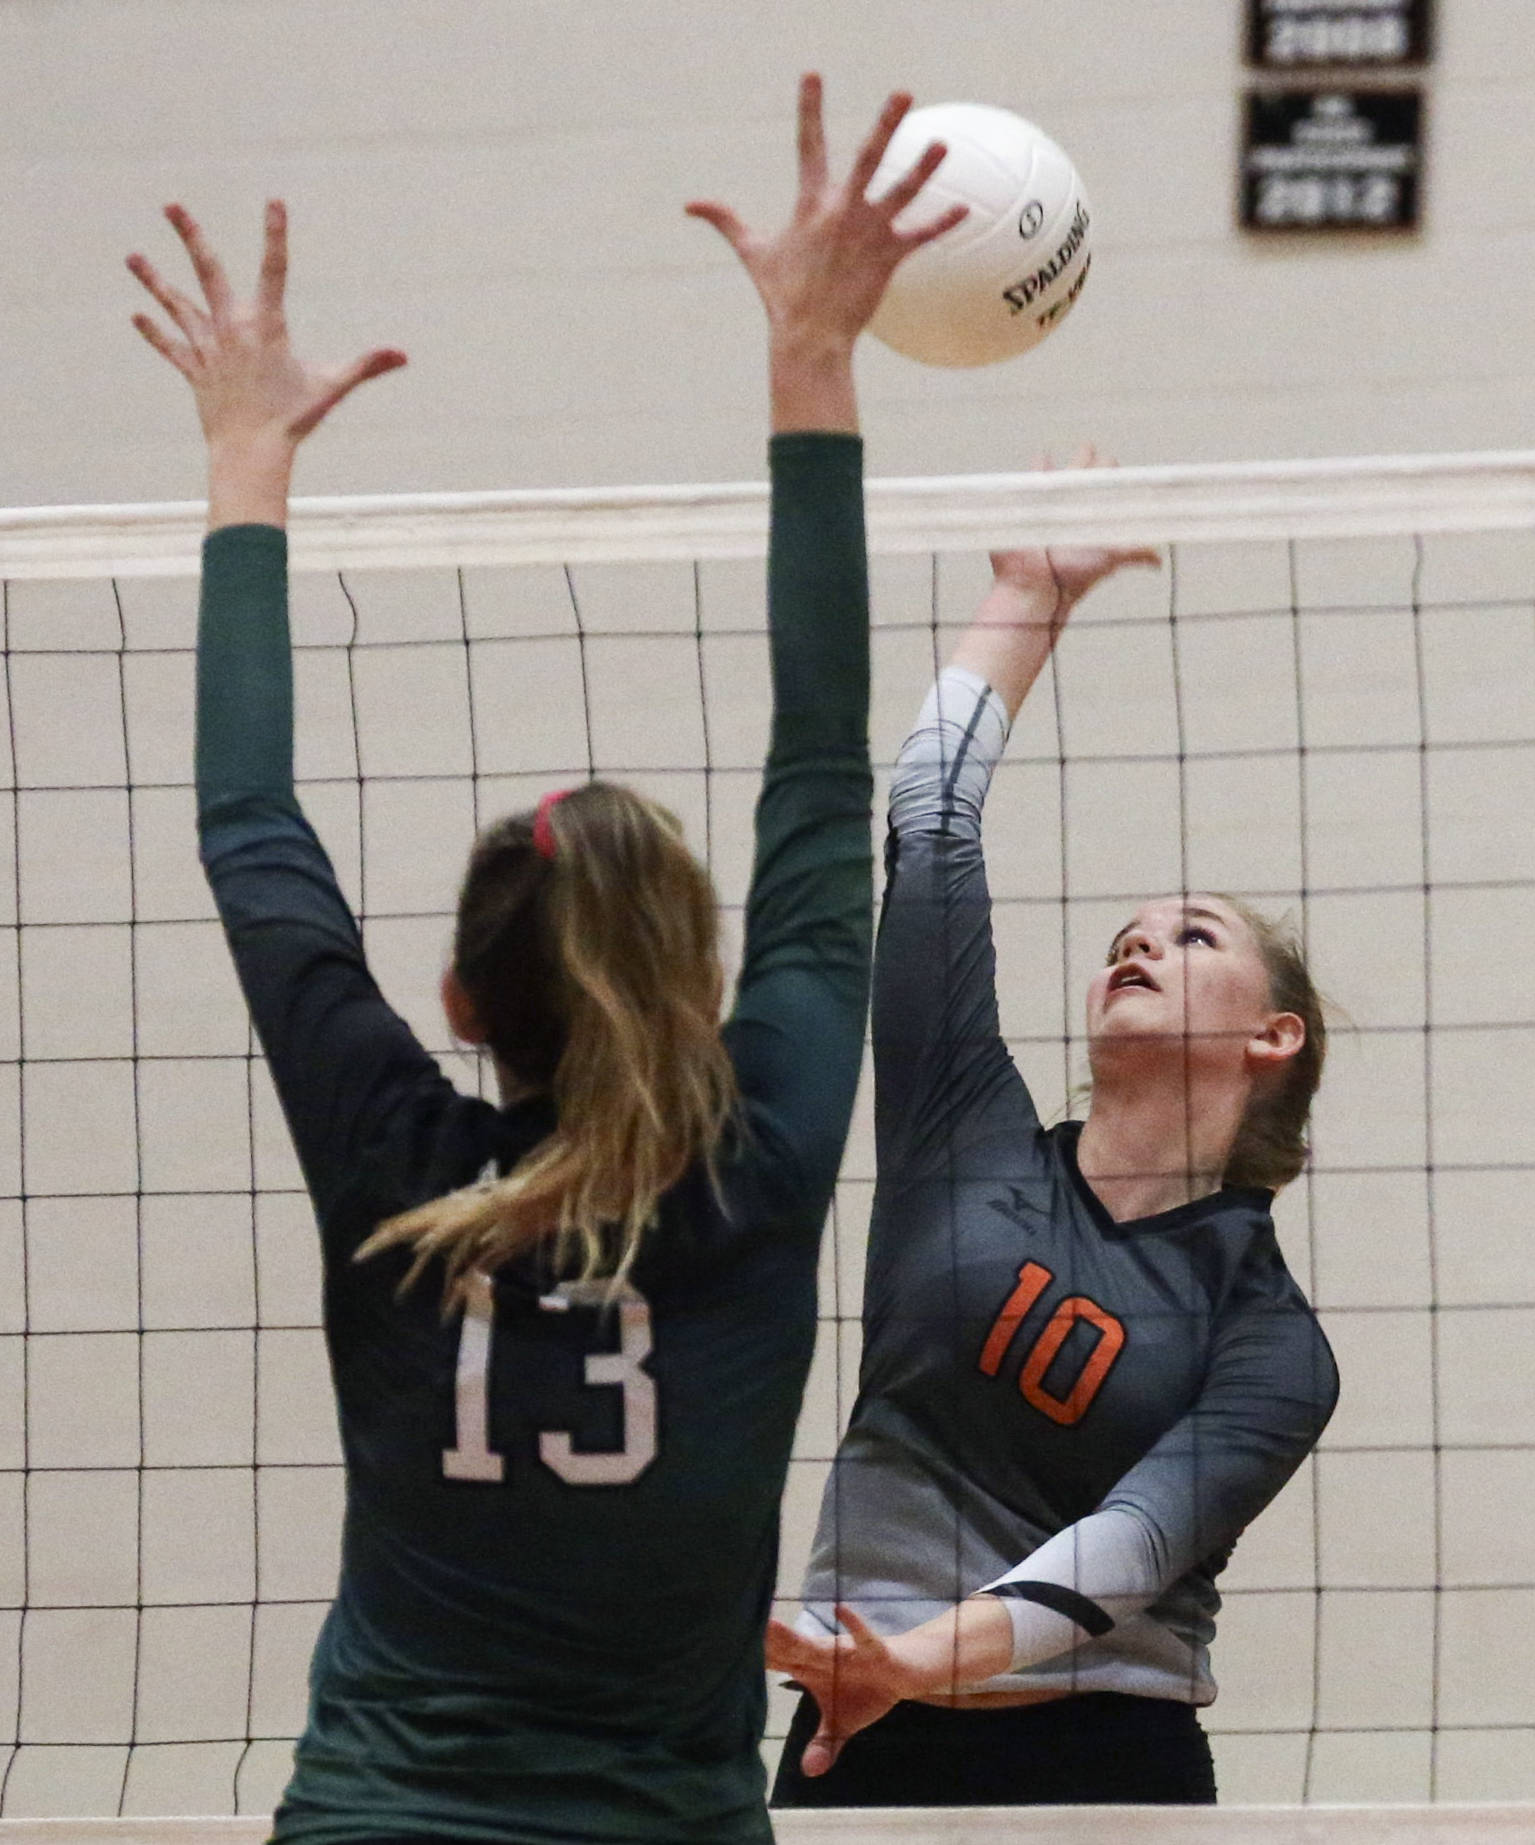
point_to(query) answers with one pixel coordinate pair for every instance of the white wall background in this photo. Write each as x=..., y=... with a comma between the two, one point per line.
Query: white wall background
x=496, y=185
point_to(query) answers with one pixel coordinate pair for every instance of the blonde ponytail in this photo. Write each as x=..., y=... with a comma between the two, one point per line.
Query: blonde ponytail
x=1273, y=1141
x=587, y=942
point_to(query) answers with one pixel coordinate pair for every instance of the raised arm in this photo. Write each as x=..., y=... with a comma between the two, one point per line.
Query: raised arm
x=941, y=1069
x=941, y=1066
x=797, y=1028
x=333, y=1044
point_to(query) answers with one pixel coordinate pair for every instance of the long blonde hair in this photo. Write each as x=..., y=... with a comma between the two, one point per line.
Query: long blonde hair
x=587, y=944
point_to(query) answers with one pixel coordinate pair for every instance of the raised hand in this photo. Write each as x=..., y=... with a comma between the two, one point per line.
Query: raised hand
x=1033, y=592
x=854, y=1677
x=829, y=265
x=256, y=398
x=1065, y=573
x=822, y=276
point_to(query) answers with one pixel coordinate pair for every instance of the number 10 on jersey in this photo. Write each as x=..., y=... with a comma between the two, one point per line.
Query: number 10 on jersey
x=1033, y=1279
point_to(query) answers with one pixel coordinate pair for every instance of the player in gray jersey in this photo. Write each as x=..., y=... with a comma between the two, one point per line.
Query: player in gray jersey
x=1086, y=1367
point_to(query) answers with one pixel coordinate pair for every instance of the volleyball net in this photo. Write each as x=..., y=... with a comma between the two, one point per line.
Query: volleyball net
x=1324, y=703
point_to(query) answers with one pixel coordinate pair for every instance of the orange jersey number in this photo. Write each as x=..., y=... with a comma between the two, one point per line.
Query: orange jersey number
x=1033, y=1279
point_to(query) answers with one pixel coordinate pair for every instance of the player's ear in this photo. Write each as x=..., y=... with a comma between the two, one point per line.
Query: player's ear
x=1282, y=1035
x=463, y=1020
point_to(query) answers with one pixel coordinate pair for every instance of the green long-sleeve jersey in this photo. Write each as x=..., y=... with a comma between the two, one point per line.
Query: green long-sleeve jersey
x=562, y=1517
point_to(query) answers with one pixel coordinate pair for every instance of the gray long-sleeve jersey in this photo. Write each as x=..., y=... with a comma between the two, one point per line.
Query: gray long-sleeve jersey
x=1079, y=1414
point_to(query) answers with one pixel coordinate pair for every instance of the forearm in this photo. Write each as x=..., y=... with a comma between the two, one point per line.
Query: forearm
x=1011, y=638
x=945, y=767
x=957, y=1650
x=803, y=991
x=810, y=893
x=1082, y=1583
x=244, y=669
x=818, y=598
x=1078, y=1586
x=811, y=383
x=248, y=480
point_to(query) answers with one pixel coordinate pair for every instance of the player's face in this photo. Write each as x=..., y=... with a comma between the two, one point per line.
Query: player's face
x=1184, y=974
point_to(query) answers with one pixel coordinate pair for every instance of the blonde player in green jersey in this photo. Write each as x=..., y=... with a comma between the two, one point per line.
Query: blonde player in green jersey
x=569, y=1334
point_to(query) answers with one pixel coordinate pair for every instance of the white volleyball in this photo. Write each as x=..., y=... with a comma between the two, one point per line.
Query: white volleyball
x=997, y=283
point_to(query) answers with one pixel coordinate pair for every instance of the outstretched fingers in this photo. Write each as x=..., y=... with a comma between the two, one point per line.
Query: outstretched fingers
x=786, y=1650
x=862, y=1634
x=273, y=279
x=724, y=221
x=840, y=1673
x=179, y=354
x=205, y=265
x=371, y=365
x=926, y=233
x=866, y=165
x=1087, y=456
x=812, y=139
x=181, y=308
x=905, y=189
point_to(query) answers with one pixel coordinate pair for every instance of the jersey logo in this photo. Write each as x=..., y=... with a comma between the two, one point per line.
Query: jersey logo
x=1018, y=1208
x=1033, y=1279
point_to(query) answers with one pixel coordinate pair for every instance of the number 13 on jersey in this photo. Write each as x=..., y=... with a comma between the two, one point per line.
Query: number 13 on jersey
x=472, y=1458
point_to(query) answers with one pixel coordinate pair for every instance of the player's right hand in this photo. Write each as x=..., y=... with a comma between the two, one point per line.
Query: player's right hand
x=251, y=388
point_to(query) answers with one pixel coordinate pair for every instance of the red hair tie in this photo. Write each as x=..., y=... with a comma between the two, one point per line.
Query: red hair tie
x=543, y=833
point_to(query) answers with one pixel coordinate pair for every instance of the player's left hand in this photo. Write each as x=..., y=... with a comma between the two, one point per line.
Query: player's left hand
x=854, y=1677
x=252, y=389
x=823, y=274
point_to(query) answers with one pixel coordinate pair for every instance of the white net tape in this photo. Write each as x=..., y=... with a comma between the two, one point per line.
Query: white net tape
x=1131, y=506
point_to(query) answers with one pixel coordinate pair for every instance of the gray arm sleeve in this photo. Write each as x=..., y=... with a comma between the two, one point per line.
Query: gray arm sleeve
x=945, y=765
x=1271, y=1387
x=940, y=1063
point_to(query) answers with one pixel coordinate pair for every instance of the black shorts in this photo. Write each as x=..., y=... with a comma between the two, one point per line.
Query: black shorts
x=1097, y=1748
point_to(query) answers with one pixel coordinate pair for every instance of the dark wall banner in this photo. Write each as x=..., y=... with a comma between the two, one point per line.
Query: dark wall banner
x=1288, y=34
x=1321, y=160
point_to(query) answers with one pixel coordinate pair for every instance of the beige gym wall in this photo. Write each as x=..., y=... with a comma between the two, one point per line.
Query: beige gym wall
x=496, y=184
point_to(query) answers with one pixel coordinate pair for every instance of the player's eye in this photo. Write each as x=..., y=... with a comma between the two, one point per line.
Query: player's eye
x=1195, y=932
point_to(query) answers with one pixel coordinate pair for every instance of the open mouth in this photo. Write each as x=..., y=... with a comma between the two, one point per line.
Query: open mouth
x=1130, y=975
